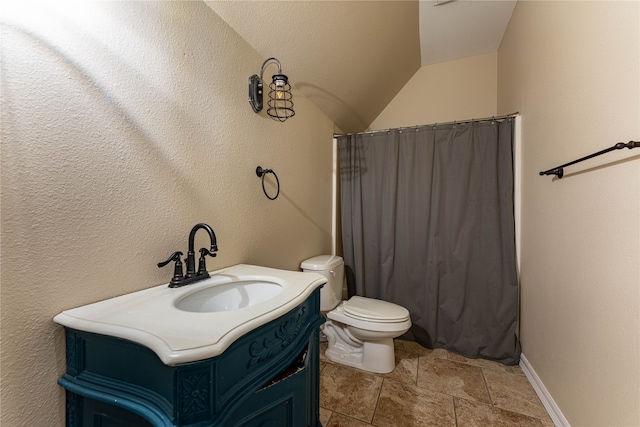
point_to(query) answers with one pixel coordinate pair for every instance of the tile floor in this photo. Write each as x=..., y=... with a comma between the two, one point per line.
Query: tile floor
x=428, y=388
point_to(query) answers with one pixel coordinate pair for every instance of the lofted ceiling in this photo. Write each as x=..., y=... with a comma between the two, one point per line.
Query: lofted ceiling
x=350, y=58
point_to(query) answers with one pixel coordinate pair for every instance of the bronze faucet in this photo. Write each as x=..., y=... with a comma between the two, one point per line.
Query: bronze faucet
x=192, y=275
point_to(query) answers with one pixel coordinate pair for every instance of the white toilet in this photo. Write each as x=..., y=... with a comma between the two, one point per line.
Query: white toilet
x=361, y=330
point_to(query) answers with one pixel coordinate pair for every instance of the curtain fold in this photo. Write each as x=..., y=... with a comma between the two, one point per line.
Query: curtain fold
x=428, y=223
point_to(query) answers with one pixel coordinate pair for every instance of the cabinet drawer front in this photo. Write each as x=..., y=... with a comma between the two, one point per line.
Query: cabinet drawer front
x=261, y=355
x=282, y=404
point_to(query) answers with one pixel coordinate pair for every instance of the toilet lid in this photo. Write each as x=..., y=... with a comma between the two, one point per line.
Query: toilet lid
x=375, y=309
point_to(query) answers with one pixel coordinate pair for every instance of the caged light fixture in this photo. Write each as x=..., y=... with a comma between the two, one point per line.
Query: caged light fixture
x=280, y=104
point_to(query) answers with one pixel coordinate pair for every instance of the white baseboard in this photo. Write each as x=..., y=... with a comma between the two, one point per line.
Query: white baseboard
x=550, y=405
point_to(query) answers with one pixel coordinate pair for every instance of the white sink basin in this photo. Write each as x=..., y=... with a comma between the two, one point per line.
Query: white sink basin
x=200, y=320
x=229, y=296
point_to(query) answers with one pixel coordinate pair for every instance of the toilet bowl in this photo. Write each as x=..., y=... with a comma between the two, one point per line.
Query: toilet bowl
x=359, y=331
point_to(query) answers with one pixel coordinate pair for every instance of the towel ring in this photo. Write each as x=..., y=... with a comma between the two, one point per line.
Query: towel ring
x=261, y=174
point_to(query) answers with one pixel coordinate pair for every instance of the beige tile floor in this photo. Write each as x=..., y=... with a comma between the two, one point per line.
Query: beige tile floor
x=428, y=388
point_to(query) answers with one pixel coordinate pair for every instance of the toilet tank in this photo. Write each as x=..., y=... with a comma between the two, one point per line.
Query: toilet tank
x=332, y=267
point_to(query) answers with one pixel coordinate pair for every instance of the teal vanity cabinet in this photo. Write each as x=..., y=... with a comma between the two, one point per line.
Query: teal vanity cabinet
x=267, y=377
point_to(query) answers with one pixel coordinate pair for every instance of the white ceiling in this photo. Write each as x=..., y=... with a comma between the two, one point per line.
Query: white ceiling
x=351, y=57
x=462, y=28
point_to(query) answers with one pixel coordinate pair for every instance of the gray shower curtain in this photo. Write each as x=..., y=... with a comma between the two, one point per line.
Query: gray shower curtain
x=428, y=223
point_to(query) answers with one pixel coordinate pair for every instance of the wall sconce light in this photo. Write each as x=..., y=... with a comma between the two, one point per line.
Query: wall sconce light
x=280, y=105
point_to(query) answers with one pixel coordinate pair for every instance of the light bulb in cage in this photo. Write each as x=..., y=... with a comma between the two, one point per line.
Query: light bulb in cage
x=280, y=103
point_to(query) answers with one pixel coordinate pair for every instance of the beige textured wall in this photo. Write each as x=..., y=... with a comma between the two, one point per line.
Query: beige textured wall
x=573, y=70
x=449, y=91
x=123, y=125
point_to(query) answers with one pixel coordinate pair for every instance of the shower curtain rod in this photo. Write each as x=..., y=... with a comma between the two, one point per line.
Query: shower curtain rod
x=485, y=119
x=559, y=170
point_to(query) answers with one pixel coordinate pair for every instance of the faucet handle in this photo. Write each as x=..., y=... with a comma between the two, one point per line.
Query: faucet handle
x=177, y=270
x=174, y=257
x=202, y=265
x=204, y=252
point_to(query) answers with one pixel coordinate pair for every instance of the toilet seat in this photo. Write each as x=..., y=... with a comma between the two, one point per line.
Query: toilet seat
x=380, y=324
x=374, y=310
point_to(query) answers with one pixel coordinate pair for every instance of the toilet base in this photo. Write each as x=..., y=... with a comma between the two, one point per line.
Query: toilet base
x=382, y=362
x=372, y=356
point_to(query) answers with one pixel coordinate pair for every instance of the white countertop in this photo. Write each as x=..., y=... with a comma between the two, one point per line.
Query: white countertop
x=150, y=318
